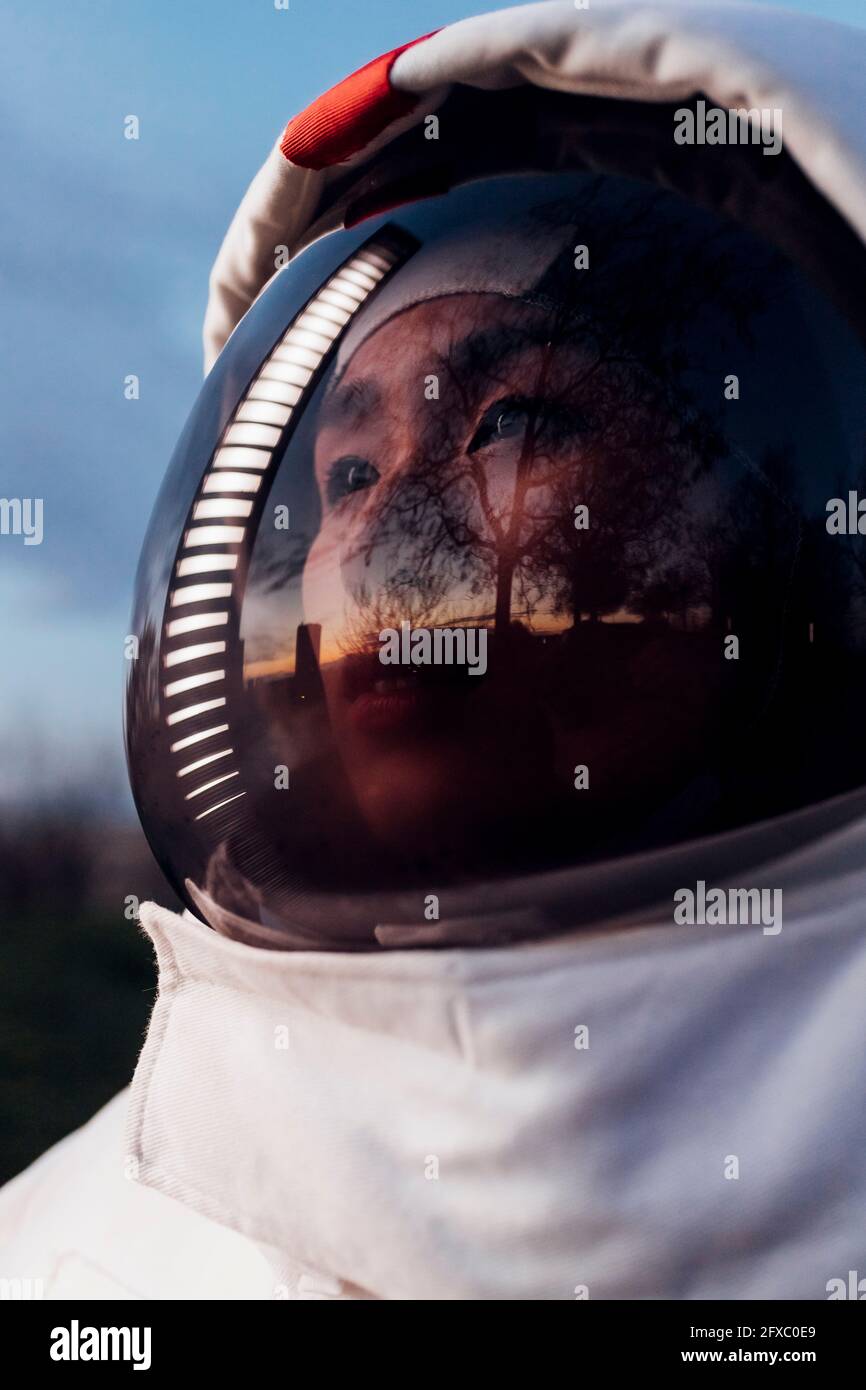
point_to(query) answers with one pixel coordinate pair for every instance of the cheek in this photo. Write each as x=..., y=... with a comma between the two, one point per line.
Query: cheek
x=331, y=565
x=550, y=484
x=321, y=579
x=501, y=479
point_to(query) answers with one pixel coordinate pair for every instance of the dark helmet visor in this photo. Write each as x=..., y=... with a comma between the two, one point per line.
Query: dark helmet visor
x=502, y=541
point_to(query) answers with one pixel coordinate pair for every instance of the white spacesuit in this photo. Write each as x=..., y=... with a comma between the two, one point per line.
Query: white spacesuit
x=603, y=1094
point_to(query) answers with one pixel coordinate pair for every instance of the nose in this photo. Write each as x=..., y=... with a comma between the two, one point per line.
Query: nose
x=388, y=553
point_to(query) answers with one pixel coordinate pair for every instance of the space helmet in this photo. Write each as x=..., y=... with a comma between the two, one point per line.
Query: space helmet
x=512, y=543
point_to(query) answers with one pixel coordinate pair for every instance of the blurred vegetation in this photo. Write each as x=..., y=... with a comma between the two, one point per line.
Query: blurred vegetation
x=77, y=979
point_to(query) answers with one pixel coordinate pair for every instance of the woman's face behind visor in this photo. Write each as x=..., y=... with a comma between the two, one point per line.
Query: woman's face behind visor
x=543, y=574
x=452, y=463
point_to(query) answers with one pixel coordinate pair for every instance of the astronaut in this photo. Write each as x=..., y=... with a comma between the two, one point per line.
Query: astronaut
x=499, y=362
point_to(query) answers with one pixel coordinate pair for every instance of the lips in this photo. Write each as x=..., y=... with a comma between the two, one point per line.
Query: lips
x=386, y=699
x=382, y=710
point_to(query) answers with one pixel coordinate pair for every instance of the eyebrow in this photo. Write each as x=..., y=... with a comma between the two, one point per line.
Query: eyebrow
x=478, y=352
x=350, y=404
x=488, y=348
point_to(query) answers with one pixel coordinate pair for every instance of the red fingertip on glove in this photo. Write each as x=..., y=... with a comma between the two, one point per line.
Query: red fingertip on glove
x=343, y=120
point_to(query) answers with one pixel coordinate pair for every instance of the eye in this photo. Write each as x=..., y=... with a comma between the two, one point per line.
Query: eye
x=349, y=475
x=511, y=418
x=506, y=419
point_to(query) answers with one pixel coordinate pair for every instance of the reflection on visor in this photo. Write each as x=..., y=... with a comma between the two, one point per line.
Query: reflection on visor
x=525, y=564
x=241, y=464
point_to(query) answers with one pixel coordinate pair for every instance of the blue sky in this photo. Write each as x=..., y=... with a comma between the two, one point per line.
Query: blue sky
x=105, y=249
